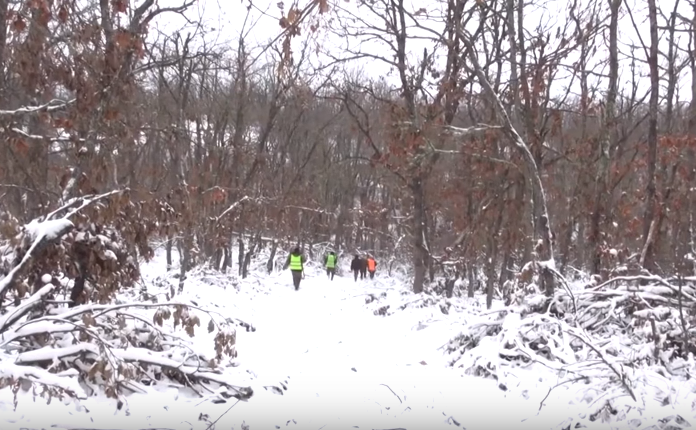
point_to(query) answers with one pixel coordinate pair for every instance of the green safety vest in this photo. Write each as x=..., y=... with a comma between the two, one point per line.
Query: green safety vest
x=295, y=262
x=330, y=261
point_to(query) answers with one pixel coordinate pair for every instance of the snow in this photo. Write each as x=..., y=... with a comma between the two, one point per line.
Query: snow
x=38, y=232
x=50, y=229
x=339, y=366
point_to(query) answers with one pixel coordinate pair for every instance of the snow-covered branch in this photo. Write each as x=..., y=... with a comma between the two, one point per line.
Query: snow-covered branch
x=41, y=233
x=232, y=207
x=66, y=381
x=52, y=106
x=613, y=366
x=80, y=203
x=474, y=129
x=42, y=137
x=134, y=355
x=15, y=314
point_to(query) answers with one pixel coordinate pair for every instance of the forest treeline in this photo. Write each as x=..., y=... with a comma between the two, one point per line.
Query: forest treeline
x=480, y=159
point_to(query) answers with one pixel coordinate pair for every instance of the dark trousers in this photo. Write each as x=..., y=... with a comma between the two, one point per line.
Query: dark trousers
x=355, y=275
x=296, y=278
x=330, y=272
x=372, y=274
x=363, y=273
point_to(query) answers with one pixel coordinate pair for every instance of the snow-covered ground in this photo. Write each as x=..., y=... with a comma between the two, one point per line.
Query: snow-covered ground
x=344, y=367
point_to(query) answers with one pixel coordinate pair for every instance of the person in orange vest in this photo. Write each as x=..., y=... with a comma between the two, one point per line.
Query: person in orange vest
x=371, y=266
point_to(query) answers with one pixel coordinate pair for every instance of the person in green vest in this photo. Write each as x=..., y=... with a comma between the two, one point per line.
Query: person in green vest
x=296, y=263
x=330, y=264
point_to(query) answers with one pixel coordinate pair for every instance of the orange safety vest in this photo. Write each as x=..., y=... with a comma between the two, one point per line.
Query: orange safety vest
x=371, y=264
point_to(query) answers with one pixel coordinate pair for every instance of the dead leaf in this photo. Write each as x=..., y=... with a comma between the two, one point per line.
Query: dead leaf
x=119, y=5
x=293, y=15
x=19, y=24
x=123, y=39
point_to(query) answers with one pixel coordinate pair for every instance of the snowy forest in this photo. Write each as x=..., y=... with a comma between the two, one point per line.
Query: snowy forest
x=530, y=170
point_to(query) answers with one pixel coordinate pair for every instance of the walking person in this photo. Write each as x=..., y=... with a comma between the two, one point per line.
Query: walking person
x=371, y=266
x=355, y=266
x=330, y=264
x=363, y=268
x=295, y=262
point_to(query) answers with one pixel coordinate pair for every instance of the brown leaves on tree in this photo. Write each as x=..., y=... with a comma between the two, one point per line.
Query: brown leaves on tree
x=161, y=315
x=63, y=14
x=225, y=344
x=123, y=39
x=120, y=6
x=18, y=24
x=20, y=146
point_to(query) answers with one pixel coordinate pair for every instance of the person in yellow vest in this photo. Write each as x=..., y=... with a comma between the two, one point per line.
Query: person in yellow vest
x=296, y=263
x=330, y=264
x=371, y=266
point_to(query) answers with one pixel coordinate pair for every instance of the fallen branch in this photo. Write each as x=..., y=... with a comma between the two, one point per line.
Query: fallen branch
x=619, y=374
x=63, y=380
x=566, y=287
x=569, y=381
x=223, y=414
x=15, y=314
x=132, y=355
x=397, y=396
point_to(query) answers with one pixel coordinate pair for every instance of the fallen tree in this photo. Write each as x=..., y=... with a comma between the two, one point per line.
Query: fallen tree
x=629, y=337
x=88, y=250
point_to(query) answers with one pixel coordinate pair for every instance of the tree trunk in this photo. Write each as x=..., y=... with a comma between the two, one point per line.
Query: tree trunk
x=226, y=259
x=606, y=141
x=271, y=258
x=184, y=261
x=240, y=256
x=471, y=275
x=647, y=255
x=542, y=221
x=417, y=227
x=168, y=249
x=689, y=245
x=247, y=261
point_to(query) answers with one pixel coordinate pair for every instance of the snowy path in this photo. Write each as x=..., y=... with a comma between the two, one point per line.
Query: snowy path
x=345, y=368
x=343, y=363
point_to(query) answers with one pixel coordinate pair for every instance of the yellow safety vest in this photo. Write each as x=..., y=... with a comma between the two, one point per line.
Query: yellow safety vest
x=295, y=262
x=330, y=261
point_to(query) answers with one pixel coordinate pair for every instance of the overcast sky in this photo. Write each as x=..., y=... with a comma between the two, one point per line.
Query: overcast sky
x=224, y=21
